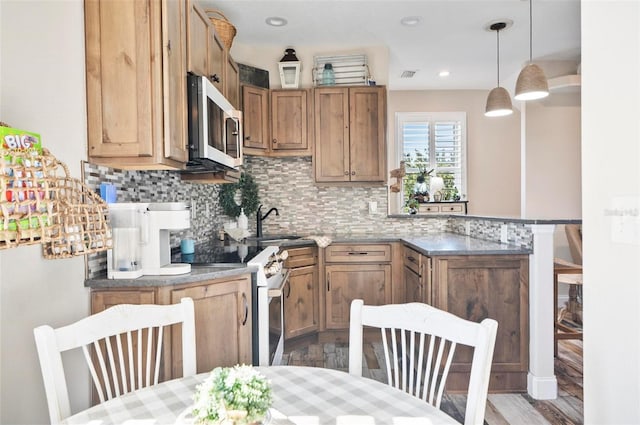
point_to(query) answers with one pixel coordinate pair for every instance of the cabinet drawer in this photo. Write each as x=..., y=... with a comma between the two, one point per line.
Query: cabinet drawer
x=358, y=253
x=429, y=208
x=301, y=257
x=413, y=260
x=455, y=208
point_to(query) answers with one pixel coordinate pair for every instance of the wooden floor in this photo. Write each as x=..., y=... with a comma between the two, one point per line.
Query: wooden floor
x=501, y=408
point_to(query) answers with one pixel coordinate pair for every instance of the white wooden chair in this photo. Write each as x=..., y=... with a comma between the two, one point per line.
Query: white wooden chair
x=121, y=346
x=417, y=357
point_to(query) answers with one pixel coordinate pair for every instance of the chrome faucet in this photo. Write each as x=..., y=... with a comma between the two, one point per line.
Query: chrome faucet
x=261, y=218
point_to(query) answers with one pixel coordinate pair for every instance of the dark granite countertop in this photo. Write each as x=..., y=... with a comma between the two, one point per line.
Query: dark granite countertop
x=491, y=218
x=197, y=274
x=432, y=244
x=453, y=244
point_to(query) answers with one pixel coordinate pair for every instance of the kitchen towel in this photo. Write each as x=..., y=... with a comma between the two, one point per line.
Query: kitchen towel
x=321, y=241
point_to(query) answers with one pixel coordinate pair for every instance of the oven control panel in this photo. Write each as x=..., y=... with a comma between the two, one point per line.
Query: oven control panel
x=275, y=263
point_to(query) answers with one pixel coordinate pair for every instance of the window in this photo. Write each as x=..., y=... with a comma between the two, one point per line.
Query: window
x=432, y=144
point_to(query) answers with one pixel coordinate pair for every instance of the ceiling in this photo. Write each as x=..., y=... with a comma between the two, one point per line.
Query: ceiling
x=451, y=34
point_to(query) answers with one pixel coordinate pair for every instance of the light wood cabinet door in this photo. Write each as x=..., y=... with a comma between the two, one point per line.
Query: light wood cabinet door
x=198, y=40
x=367, y=134
x=290, y=122
x=223, y=323
x=175, y=83
x=232, y=81
x=346, y=282
x=136, y=90
x=255, y=109
x=301, y=302
x=217, y=60
x=350, y=134
x=414, y=290
x=477, y=287
x=331, y=157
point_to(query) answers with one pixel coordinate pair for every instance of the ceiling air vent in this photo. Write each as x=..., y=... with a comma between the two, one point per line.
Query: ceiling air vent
x=407, y=74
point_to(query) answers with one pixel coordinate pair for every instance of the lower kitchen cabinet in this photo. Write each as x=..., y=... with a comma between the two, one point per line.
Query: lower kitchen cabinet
x=495, y=286
x=222, y=315
x=417, y=276
x=347, y=282
x=355, y=271
x=223, y=323
x=301, y=293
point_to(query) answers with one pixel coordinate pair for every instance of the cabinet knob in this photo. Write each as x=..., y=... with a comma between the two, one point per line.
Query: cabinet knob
x=353, y=173
x=215, y=78
x=247, y=138
x=275, y=141
x=346, y=173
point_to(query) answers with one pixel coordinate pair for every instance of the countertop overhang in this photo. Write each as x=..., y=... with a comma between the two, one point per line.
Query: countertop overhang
x=437, y=244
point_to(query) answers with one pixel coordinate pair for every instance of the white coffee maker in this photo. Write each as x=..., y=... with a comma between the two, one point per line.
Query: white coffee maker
x=141, y=239
x=156, y=251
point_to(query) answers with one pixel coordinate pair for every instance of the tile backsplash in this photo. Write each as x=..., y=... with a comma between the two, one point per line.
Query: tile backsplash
x=304, y=207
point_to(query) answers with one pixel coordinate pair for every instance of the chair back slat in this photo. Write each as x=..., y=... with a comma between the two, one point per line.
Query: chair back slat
x=423, y=342
x=114, y=355
x=112, y=366
x=158, y=355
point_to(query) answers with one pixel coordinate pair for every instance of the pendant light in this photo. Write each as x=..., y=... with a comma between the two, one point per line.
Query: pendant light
x=499, y=101
x=532, y=83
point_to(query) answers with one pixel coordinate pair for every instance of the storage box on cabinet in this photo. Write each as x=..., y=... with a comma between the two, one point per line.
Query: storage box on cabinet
x=443, y=208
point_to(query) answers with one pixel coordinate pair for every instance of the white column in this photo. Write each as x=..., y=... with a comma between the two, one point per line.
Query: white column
x=541, y=380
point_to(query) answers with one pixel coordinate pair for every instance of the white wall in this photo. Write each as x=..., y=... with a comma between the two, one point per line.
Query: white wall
x=611, y=94
x=493, y=146
x=42, y=90
x=553, y=182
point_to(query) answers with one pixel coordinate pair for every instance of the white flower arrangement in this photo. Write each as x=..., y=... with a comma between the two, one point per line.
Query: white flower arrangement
x=237, y=395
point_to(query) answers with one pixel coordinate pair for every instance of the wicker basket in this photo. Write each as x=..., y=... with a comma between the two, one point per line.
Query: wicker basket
x=27, y=197
x=40, y=203
x=81, y=225
x=225, y=30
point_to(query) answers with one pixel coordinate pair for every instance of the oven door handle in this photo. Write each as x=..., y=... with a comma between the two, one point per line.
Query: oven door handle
x=277, y=292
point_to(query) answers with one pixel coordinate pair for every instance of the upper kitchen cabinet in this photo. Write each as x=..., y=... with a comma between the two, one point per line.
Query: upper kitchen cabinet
x=136, y=85
x=277, y=123
x=255, y=110
x=207, y=55
x=350, y=137
x=232, y=82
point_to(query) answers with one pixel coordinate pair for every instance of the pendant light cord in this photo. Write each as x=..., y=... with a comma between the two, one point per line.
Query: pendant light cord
x=530, y=31
x=498, y=56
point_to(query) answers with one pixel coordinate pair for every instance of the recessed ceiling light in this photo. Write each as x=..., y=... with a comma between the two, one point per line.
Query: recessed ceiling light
x=410, y=21
x=444, y=73
x=276, y=21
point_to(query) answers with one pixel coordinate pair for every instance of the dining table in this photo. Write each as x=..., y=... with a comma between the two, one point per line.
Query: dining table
x=301, y=395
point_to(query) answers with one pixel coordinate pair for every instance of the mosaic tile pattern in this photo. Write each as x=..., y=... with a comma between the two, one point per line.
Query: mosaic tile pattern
x=304, y=208
x=517, y=233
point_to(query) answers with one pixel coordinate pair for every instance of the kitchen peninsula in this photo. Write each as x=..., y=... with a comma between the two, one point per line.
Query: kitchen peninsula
x=357, y=266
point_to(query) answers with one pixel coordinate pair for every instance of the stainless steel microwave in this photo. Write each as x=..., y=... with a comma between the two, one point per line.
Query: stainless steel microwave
x=215, y=127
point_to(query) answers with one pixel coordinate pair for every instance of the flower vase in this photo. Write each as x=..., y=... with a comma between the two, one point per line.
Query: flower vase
x=436, y=185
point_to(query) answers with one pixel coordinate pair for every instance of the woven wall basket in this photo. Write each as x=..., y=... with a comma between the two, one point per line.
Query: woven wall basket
x=225, y=29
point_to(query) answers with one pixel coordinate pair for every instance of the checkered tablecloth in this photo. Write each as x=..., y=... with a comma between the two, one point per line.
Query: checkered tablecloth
x=301, y=395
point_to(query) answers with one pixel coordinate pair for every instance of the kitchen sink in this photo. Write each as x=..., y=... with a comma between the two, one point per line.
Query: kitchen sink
x=272, y=239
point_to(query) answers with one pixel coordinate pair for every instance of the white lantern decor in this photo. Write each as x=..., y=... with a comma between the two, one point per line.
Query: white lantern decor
x=289, y=67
